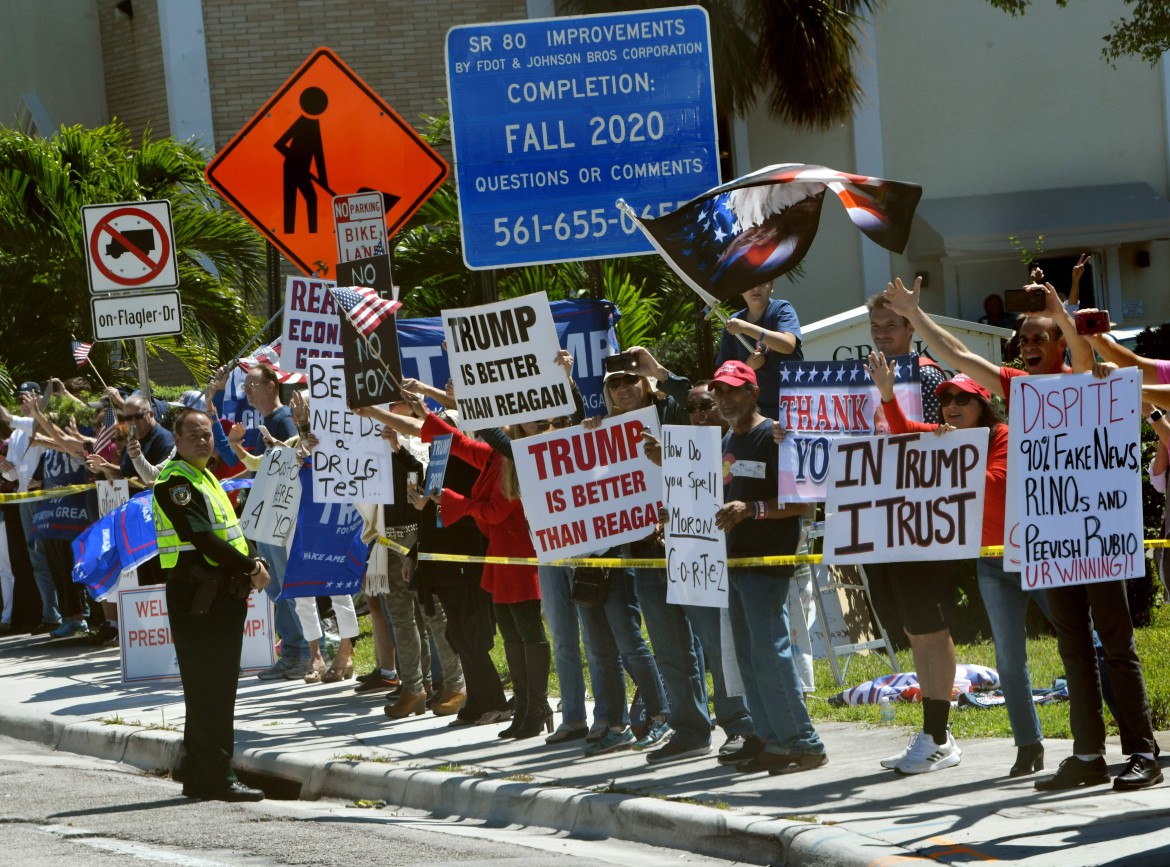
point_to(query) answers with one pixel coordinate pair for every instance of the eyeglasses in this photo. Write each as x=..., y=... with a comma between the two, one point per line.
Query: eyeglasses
x=700, y=406
x=561, y=423
x=958, y=398
x=624, y=379
x=248, y=386
x=134, y=416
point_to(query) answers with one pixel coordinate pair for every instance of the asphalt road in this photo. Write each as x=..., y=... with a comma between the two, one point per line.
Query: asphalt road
x=60, y=808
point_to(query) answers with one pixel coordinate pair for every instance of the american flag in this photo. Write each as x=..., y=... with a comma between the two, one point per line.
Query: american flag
x=748, y=231
x=268, y=356
x=106, y=434
x=365, y=308
x=81, y=352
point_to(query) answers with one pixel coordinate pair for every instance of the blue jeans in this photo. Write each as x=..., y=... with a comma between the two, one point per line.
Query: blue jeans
x=625, y=620
x=678, y=657
x=40, y=566
x=731, y=711
x=561, y=615
x=759, y=622
x=288, y=626
x=1007, y=607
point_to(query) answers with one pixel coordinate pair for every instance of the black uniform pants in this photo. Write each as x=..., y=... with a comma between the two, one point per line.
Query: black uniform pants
x=208, y=648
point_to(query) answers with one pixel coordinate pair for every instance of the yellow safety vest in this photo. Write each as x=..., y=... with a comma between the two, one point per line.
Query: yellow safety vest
x=220, y=514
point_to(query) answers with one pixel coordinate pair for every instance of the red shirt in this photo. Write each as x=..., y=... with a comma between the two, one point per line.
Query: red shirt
x=993, y=497
x=501, y=520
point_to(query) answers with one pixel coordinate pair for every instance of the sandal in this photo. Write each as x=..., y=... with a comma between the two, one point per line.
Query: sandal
x=316, y=672
x=333, y=674
x=567, y=732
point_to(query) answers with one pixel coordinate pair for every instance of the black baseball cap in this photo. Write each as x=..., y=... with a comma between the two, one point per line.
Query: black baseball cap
x=29, y=386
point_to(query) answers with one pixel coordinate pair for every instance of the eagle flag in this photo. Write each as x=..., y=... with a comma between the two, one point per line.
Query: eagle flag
x=748, y=231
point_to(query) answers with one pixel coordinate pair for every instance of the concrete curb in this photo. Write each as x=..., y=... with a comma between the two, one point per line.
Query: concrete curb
x=586, y=814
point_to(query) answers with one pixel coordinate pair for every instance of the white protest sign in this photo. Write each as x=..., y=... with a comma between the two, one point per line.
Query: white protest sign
x=312, y=327
x=147, y=646
x=692, y=487
x=270, y=514
x=351, y=464
x=586, y=491
x=503, y=363
x=111, y=495
x=822, y=401
x=906, y=497
x=1078, y=489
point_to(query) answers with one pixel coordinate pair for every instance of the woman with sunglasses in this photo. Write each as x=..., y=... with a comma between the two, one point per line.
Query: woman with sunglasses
x=964, y=404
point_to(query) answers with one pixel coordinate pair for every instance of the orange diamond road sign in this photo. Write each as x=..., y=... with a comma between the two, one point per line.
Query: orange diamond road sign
x=324, y=133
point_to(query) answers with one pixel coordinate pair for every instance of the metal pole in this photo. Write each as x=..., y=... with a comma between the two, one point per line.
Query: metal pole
x=143, y=372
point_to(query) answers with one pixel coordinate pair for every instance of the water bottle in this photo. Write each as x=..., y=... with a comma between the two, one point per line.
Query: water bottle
x=887, y=711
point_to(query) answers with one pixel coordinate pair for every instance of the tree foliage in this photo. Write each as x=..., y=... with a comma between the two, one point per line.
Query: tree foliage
x=44, y=289
x=1145, y=33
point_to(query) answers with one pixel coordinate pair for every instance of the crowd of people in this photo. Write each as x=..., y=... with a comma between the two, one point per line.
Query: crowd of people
x=434, y=621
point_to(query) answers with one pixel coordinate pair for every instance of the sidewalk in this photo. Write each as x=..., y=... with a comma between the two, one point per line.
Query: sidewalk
x=850, y=812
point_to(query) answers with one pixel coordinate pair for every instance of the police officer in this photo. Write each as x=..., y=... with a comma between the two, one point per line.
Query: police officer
x=207, y=565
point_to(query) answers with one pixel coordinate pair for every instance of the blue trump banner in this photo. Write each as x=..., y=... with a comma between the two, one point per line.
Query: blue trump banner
x=328, y=556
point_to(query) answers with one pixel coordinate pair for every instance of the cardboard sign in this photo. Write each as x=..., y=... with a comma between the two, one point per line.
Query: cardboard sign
x=586, y=491
x=312, y=327
x=352, y=462
x=148, y=648
x=1077, y=489
x=373, y=367
x=503, y=362
x=823, y=401
x=692, y=488
x=906, y=497
x=271, y=510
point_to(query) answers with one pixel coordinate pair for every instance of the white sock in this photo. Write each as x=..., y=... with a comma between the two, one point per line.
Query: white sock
x=389, y=673
x=1149, y=756
x=1088, y=758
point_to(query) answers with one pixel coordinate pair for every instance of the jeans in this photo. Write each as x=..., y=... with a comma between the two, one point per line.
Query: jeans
x=561, y=615
x=759, y=622
x=605, y=668
x=293, y=645
x=731, y=711
x=625, y=621
x=40, y=566
x=675, y=650
x=1007, y=607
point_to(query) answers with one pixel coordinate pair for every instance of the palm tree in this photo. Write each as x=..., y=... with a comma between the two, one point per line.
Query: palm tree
x=800, y=51
x=44, y=290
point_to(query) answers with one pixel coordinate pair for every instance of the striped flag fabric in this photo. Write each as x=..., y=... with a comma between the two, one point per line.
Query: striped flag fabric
x=746, y=232
x=365, y=308
x=268, y=356
x=105, y=434
x=81, y=352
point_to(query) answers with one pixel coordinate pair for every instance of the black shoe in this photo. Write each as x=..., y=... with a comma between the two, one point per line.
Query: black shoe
x=1074, y=773
x=675, y=750
x=378, y=683
x=103, y=634
x=763, y=762
x=1139, y=773
x=794, y=763
x=752, y=747
x=236, y=792
x=1029, y=760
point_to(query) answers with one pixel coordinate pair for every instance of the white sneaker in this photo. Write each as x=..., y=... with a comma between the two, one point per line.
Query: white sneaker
x=891, y=762
x=926, y=756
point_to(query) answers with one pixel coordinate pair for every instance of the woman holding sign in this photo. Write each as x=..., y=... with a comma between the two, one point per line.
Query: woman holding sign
x=964, y=404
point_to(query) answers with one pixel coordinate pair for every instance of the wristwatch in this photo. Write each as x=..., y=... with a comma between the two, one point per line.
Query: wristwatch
x=1155, y=416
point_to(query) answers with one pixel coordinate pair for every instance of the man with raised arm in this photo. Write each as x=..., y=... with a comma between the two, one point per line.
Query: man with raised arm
x=1075, y=610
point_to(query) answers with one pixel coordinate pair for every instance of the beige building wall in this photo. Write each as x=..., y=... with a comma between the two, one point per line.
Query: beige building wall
x=70, y=87
x=136, y=90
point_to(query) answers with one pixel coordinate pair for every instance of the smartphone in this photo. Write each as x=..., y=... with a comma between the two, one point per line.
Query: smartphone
x=623, y=362
x=1092, y=321
x=1023, y=301
x=133, y=431
x=412, y=479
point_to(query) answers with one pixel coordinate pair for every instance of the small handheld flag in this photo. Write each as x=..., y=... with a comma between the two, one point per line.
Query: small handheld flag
x=365, y=308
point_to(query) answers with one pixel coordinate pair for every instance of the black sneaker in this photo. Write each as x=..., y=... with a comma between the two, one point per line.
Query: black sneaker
x=796, y=762
x=1139, y=773
x=235, y=793
x=676, y=751
x=751, y=747
x=1074, y=773
x=378, y=683
x=103, y=634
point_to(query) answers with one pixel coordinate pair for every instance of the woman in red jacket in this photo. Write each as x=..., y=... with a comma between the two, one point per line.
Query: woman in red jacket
x=964, y=404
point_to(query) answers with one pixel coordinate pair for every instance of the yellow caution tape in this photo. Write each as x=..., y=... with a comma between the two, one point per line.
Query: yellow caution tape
x=50, y=494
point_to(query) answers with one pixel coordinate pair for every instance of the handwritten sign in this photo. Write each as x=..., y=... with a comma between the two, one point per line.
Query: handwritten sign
x=352, y=462
x=111, y=495
x=588, y=490
x=147, y=646
x=311, y=325
x=373, y=367
x=692, y=487
x=1077, y=491
x=906, y=497
x=271, y=511
x=822, y=401
x=503, y=362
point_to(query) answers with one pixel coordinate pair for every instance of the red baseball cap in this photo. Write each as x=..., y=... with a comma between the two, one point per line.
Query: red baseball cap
x=963, y=383
x=733, y=373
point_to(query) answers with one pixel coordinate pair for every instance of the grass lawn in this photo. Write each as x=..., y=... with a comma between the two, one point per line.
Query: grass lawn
x=1153, y=643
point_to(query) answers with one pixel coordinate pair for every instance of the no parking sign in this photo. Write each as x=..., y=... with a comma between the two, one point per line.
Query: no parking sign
x=130, y=246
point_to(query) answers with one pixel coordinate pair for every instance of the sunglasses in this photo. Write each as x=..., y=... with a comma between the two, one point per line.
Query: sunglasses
x=961, y=398
x=248, y=386
x=134, y=416
x=561, y=423
x=624, y=379
x=700, y=406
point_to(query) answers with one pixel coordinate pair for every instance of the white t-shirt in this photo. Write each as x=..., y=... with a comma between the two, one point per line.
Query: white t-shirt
x=22, y=452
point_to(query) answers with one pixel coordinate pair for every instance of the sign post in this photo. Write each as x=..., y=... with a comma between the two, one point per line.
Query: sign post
x=554, y=120
x=363, y=256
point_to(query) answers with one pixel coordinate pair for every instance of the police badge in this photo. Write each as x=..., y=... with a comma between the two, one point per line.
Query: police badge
x=181, y=494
